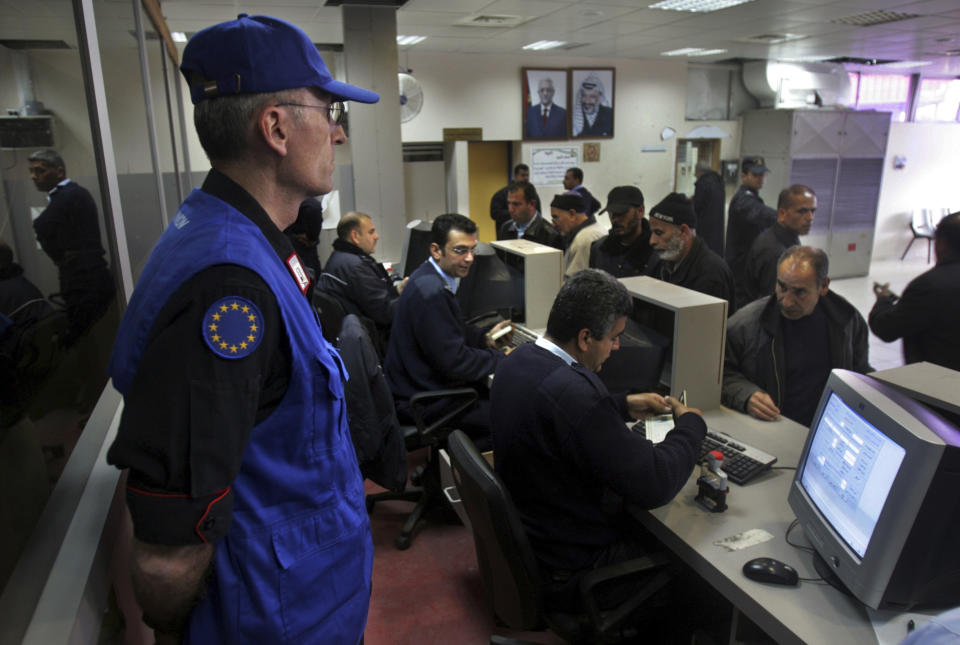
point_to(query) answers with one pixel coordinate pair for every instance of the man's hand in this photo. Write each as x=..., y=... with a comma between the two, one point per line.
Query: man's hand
x=402, y=284
x=643, y=405
x=882, y=290
x=167, y=580
x=679, y=409
x=761, y=406
x=502, y=340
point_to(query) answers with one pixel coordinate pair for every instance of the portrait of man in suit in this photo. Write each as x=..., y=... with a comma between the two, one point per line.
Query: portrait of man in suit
x=592, y=103
x=545, y=117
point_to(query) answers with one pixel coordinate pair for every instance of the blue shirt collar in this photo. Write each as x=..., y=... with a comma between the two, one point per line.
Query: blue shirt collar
x=452, y=283
x=555, y=349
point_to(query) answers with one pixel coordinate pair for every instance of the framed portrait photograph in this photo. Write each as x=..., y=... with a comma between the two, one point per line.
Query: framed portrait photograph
x=591, y=103
x=545, y=101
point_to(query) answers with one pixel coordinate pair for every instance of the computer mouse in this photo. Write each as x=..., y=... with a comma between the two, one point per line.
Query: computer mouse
x=771, y=571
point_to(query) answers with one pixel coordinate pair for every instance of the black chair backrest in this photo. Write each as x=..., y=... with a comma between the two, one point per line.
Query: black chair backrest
x=506, y=561
x=331, y=314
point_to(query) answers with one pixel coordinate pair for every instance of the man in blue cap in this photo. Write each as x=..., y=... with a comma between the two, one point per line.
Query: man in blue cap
x=247, y=503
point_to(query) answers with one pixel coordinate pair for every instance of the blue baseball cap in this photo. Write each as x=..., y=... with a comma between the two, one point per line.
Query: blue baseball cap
x=254, y=54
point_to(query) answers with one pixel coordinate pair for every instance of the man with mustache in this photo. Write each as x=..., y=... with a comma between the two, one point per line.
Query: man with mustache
x=795, y=209
x=681, y=257
x=780, y=349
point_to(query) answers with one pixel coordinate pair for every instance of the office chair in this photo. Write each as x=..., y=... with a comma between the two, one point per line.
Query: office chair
x=511, y=576
x=330, y=312
x=922, y=225
x=432, y=435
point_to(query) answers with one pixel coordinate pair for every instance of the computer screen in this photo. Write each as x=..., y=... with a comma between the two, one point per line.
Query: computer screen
x=491, y=287
x=644, y=355
x=849, y=471
x=416, y=246
x=539, y=271
x=876, y=494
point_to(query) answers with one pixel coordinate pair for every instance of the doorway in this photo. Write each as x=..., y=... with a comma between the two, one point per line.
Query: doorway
x=690, y=152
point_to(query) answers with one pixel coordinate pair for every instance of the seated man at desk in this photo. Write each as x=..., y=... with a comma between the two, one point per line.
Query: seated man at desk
x=579, y=231
x=682, y=258
x=431, y=347
x=562, y=446
x=780, y=349
x=525, y=221
x=355, y=278
x=626, y=250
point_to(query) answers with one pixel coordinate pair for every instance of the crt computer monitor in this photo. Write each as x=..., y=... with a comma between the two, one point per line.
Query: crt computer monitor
x=539, y=270
x=643, y=361
x=416, y=246
x=491, y=287
x=877, y=492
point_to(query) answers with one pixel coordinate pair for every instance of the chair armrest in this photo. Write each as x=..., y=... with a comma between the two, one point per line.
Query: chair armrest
x=657, y=566
x=461, y=398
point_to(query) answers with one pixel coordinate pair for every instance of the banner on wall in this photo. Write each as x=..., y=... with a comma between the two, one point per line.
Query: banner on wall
x=549, y=163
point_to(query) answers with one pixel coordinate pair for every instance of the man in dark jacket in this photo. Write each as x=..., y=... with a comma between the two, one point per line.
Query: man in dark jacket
x=682, y=258
x=573, y=183
x=431, y=347
x=780, y=349
x=562, y=445
x=355, y=278
x=708, y=198
x=525, y=221
x=499, y=212
x=68, y=231
x=626, y=250
x=796, y=206
x=748, y=217
x=927, y=315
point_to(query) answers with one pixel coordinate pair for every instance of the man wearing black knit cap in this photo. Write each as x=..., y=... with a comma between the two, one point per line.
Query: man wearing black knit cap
x=682, y=258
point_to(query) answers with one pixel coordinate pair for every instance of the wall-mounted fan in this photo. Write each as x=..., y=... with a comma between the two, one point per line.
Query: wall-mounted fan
x=411, y=96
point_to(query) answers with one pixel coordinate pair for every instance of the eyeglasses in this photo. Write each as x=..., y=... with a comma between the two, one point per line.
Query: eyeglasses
x=335, y=110
x=462, y=250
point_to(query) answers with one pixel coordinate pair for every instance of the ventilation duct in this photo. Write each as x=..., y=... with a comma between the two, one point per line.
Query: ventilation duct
x=782, y=85
x=29, y=106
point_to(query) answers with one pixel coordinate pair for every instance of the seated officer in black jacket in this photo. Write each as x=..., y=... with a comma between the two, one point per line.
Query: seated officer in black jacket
x=355, y=278
x=626, y=250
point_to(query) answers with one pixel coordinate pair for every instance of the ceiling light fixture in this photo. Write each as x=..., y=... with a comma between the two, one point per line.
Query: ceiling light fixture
x=410, y=40
x=540, y=45
x=178, y=36
x=699, y=6
x=693, y=51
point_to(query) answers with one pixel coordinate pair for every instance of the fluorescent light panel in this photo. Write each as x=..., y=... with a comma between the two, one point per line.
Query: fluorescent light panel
x=545, y=44
x=693, y=51
x=699, y=6
x=178, y=36
x=410, y=40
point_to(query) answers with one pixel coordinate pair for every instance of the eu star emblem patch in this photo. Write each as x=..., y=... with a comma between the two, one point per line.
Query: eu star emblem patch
x=232, y=327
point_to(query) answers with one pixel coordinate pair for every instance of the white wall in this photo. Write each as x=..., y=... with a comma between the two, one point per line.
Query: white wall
x=929, y=180
x=486, y=91
x=424, y=189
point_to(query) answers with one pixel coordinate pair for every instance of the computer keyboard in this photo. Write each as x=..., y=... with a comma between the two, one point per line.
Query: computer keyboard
x=741, y=462
x=521, y=335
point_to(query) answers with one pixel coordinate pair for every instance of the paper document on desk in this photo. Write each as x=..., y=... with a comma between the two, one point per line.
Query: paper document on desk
x=657, y=427
x=742, y=540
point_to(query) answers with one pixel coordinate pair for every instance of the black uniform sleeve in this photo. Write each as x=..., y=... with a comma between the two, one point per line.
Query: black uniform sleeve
x=188, y=412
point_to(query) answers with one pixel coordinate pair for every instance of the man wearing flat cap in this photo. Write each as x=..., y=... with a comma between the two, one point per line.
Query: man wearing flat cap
x=579, y=231
x=626, y=250
x=247, y=504
x=681, y=257
x=747, y=217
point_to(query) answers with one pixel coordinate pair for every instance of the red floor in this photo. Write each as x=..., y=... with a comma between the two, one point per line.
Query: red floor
x=432, y=593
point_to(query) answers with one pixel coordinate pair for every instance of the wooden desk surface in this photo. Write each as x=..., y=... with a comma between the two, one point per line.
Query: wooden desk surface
x=809, y=613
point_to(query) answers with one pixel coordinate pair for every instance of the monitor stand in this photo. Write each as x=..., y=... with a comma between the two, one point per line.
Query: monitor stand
x=824, y=571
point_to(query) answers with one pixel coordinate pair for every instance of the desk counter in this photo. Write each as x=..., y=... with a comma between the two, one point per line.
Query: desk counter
x=809, y=613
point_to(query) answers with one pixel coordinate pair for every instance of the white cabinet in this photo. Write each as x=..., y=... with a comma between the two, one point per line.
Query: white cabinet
x=838, y=153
